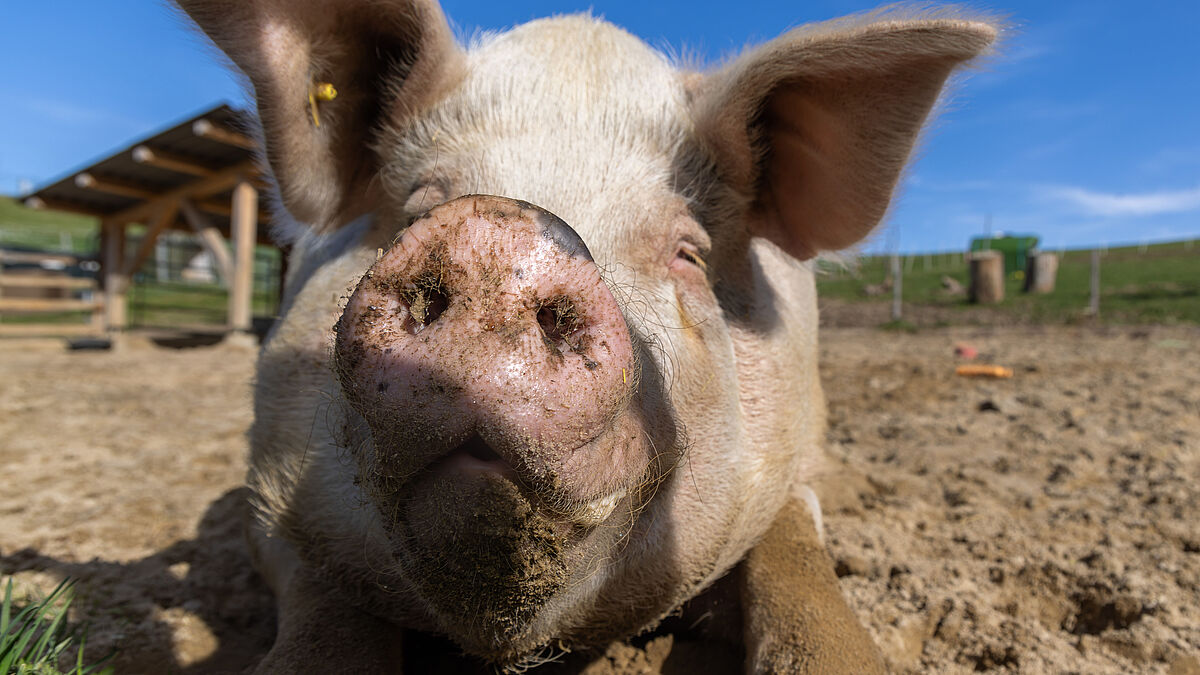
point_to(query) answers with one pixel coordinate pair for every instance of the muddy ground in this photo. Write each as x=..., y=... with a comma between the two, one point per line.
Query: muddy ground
x=1045, y=523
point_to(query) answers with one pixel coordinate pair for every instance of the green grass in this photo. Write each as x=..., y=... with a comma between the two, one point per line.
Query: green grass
x=175, y=303
x=1157, y=284
x=34, y=638
x=46, y=230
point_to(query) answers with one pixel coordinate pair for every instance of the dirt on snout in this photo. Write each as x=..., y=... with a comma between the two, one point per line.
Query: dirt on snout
x=1043, y=523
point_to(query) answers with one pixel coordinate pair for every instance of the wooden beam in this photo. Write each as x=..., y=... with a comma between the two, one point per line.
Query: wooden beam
x=35, y=258
x=206, y=129
x=210, y=239
x=35, y=281
x=89, y=182
x=201, y=187
x=47, y=329
x=224, y=209
x=161, y=159
x=165, y=218
x=40, y=203
x=244, y=227
x=46, y=305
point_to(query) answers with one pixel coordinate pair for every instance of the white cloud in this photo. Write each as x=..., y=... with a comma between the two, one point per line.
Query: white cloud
x=79, y=115
x=1144, y=204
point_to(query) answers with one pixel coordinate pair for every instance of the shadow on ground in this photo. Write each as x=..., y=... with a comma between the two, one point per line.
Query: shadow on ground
x=197, y=606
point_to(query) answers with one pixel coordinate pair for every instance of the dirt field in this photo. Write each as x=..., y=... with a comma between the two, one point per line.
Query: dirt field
x=1046, y=523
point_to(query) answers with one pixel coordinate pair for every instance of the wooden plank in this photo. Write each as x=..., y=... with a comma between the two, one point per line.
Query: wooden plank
x=212, y=132
x=41, y=204
x=90, y=182
x=7, y=256
x=222, y=208
x=46, y=305
x=165, y=218
x=202, y=187
x=163, y=159
x=47, y=329
x=244, y=235
x=32, y=281
x=210, y=239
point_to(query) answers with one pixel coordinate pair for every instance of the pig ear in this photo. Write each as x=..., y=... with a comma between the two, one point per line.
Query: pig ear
x=385, y=59
x=814, y=128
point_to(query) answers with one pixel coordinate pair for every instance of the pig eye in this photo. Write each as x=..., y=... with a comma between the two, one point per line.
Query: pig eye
x=691, y=255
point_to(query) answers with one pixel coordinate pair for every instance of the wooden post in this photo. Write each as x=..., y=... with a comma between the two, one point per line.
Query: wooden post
x=163, y=220
x=115, y=284
x=244, y=232
x=1094, y=301
x=211, y=240
x=897, y=283
x=1041, y=268
x=987, y=277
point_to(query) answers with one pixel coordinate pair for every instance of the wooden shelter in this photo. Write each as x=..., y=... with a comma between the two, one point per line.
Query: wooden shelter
x=198, y=175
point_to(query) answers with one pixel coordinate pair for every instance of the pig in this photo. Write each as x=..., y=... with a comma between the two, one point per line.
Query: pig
x=545, y=372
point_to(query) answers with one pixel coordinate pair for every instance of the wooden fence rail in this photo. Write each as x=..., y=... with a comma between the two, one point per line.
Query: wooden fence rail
x=55, y=282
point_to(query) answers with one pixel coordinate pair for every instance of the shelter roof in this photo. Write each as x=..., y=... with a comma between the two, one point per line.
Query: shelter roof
x=199, y=159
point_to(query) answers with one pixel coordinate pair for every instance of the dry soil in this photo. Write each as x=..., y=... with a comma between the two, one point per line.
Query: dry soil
x=1043, y=523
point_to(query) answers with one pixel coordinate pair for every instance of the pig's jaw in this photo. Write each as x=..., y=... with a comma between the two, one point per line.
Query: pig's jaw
x=483, y=561
x=487, y=558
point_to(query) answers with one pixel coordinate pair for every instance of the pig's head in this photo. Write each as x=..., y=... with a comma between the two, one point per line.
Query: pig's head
x=575, y=378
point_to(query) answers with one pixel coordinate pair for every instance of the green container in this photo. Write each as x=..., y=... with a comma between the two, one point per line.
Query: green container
x=1014, y=247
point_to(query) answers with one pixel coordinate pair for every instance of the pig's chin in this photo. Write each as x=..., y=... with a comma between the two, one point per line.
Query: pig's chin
x=483, y=559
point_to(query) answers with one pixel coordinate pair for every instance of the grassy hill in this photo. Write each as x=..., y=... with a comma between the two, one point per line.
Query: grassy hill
x=46, y=230
x=1152, y=284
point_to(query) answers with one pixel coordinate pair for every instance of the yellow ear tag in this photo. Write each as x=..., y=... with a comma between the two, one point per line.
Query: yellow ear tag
x=321, y=91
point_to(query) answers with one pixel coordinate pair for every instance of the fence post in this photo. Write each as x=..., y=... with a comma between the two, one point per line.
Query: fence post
x=987, y=277
x=116, y=285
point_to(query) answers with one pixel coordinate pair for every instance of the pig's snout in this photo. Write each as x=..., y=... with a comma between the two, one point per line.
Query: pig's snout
x=486, y=341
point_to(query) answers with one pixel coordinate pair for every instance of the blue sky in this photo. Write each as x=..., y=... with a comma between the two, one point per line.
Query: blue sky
x=1085, y=129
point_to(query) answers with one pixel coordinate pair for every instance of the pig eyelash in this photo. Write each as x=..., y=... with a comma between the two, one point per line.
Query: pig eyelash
x=693, y=257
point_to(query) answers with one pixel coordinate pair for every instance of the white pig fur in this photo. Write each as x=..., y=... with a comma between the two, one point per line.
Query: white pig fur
x=790, y=149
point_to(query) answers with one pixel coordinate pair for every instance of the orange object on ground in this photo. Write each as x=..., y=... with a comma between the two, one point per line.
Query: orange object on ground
x=974, y=370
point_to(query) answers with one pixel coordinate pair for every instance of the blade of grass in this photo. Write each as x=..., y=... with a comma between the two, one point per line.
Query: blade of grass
x=5, y=610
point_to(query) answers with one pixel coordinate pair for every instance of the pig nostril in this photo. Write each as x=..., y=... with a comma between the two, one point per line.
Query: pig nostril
x=476, y=447
x=426, y=299
x=559, y=321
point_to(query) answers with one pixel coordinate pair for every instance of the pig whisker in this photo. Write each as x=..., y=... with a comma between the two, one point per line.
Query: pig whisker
x=546, y=654
x=437, y=148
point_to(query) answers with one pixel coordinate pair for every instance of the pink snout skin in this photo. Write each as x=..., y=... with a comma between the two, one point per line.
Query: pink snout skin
x=485, y=337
